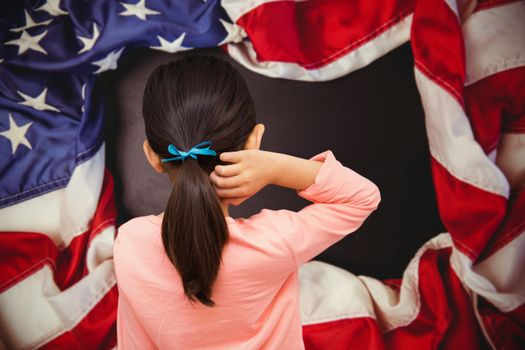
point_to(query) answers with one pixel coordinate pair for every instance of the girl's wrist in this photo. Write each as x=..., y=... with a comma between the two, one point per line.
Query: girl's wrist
x=275, y=166
x=294, y=172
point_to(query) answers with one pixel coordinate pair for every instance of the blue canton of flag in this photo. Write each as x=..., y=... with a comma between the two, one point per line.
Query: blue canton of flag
x=52, y=52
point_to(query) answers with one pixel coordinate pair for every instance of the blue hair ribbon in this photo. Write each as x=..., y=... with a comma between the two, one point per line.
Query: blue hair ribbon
x=203, y=149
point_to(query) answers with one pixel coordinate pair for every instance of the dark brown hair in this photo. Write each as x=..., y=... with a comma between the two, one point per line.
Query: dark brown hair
x=188, y=101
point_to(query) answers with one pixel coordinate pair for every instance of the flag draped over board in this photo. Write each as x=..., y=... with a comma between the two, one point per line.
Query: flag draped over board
x=464, y=288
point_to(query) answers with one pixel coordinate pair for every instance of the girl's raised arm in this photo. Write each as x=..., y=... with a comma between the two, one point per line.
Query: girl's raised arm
x=251, y=170
x=342, y=199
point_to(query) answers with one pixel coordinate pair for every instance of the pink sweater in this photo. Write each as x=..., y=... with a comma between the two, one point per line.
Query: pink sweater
x=256, y=291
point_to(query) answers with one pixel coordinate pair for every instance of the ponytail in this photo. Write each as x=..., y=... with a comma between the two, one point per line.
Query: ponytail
x=194, y=231
x=182, y=106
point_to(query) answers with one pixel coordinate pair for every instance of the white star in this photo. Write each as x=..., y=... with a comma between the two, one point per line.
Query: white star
x=173, y=46
x=16, y=134
x=235, y=33
x=29, y=23
x=139, y=9
x=26, y=42
x=38, y=102
x=110, y=62
x=83, y=91
x=87, y=42
x=53, y=8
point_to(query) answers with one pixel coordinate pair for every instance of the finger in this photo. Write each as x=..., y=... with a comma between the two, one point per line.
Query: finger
x=230, y=192
x=227, y=170
x=231, y=157
x=224, y=182
x=215, y=179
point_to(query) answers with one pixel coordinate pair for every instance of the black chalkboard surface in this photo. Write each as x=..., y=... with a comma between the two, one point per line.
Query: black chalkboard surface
x=371, y=119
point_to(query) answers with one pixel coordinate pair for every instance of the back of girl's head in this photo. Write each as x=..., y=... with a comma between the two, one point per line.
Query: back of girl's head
x=186, y=102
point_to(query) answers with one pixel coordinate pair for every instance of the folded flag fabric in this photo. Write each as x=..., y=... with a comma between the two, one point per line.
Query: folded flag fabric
x=464, y=288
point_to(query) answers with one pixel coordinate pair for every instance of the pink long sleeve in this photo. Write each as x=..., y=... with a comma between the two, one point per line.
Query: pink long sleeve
x=342, y=200
x=256, y=291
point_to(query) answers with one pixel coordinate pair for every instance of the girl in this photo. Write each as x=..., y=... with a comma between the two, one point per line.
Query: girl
x=195, y=278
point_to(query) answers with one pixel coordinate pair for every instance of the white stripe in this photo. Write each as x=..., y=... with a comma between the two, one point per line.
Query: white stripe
x=329, y=293
x=452, y=142
x=452, y=4
x=500, y=279
x=391, y=38
x=26, y=314
x=34, y=311
x=238, y=8
x=64, y=213
x=401, y=311
x=480, y=321
x=494, y=40
x=100, y=248
x=493, y=155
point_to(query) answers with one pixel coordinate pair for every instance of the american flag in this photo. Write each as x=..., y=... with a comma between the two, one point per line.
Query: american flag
x=463, y=288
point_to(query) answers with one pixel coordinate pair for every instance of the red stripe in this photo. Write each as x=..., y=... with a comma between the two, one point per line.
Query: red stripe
x=512, y=226
x=437, y=44
x=496, y=104
x=315, y=33
x=470, y=214
x=488, y=4
x=356, y=333
x=22, y=253
x=516, y=127
x=71, y=266
x=506, y=330
x=96, y=331
x=446, y=319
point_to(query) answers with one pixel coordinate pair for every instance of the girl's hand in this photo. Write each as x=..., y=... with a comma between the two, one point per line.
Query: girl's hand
x=252, y=170
x=248, y=173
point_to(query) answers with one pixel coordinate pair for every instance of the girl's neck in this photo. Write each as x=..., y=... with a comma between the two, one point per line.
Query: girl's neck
x=225, y=210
